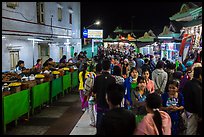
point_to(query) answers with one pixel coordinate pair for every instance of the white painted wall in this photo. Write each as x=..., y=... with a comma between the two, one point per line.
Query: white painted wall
x=25, y=52
x=28, y=9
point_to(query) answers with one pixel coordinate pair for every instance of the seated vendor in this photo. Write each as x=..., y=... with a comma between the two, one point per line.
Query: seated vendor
x=19, y=67
x=49, y=63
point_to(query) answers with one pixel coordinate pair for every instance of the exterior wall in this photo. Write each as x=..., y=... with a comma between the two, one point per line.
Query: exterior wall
x=29, y=12
x=25, y=52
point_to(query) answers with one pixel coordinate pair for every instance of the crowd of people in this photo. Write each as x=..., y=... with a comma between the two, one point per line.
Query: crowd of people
x=120, y=86
x=128, y=85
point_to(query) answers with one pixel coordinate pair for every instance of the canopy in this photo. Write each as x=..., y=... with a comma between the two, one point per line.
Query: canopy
x=130, y=38
x=108, y=39
x=187, y=13
x=167, y=33
x=117, y=39
x=118, y=30
x=146, y=38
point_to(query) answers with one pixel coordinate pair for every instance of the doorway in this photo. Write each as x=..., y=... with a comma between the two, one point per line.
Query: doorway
x=44, y=51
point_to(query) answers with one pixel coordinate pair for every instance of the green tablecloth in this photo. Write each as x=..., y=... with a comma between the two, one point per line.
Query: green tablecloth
x=56, y=86
x=40, y=94
x=15, y=105
x=75, y=78
x=66, y=80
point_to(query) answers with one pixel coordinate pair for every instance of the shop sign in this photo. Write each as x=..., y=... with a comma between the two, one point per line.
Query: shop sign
x=92, y=33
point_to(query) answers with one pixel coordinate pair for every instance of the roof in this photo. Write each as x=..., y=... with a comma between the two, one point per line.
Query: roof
x=118, y=30
x=146, y=38
x=187, y=13
x=108, y=39
x=167, y=33
x=192, y=23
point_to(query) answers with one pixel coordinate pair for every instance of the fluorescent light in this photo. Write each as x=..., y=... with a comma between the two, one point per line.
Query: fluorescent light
x=35, y=39
x=165, y=37
x=67, y=43
x=3, y=37
x=63, y=36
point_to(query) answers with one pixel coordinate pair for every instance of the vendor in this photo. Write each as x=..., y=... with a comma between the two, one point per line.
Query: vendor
x=19, y=67
x=63, y=59
x=49, y=63
x=38, y=64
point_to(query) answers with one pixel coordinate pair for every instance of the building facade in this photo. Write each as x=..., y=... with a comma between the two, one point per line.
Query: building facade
x=32, y=30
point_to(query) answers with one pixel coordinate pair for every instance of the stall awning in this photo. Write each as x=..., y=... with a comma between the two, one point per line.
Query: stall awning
x=108, y=39
x=186, y=13
x=146, y=38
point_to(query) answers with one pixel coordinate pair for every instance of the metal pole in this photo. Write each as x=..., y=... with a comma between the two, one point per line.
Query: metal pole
x=33, y=51
x=92, y=47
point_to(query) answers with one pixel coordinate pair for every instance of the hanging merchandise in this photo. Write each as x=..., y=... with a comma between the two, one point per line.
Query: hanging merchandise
x=192, y=44
x=197, y=40
x=186, y=38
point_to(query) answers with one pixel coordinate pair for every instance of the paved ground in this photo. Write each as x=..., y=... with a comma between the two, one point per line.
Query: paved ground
x=82, y=127
x=58, y=119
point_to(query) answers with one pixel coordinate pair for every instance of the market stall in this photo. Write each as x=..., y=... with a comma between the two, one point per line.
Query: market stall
x=28, y=95
x=66, y=80
x=40, y=94
x=15, y=106
x=74, y=78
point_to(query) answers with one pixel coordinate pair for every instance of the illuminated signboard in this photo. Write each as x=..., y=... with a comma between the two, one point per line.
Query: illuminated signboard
x=92, y=33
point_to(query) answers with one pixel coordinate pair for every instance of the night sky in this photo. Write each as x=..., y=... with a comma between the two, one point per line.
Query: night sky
x=143, y=15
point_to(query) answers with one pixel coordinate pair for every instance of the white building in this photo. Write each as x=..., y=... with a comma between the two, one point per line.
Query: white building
x=56, y=24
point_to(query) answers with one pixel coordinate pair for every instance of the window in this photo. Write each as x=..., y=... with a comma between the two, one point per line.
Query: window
x=59, y=12
x=61, y=52
x=14, y=57
x=40, y=12
x=12, y=5
x=70, y=18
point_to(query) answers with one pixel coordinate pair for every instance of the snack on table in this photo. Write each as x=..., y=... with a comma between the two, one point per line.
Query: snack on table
x=56, y=72
x=15, y=84
x=65, y=68
x=39, y=76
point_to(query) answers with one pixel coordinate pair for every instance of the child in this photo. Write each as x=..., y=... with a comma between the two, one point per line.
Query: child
x=82, y=77
x=173, y=104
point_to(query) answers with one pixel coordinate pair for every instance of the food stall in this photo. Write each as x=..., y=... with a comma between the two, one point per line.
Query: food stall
x=18, y=92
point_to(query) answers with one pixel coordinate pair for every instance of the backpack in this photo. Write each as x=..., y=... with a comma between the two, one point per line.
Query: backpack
x=88, y=84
